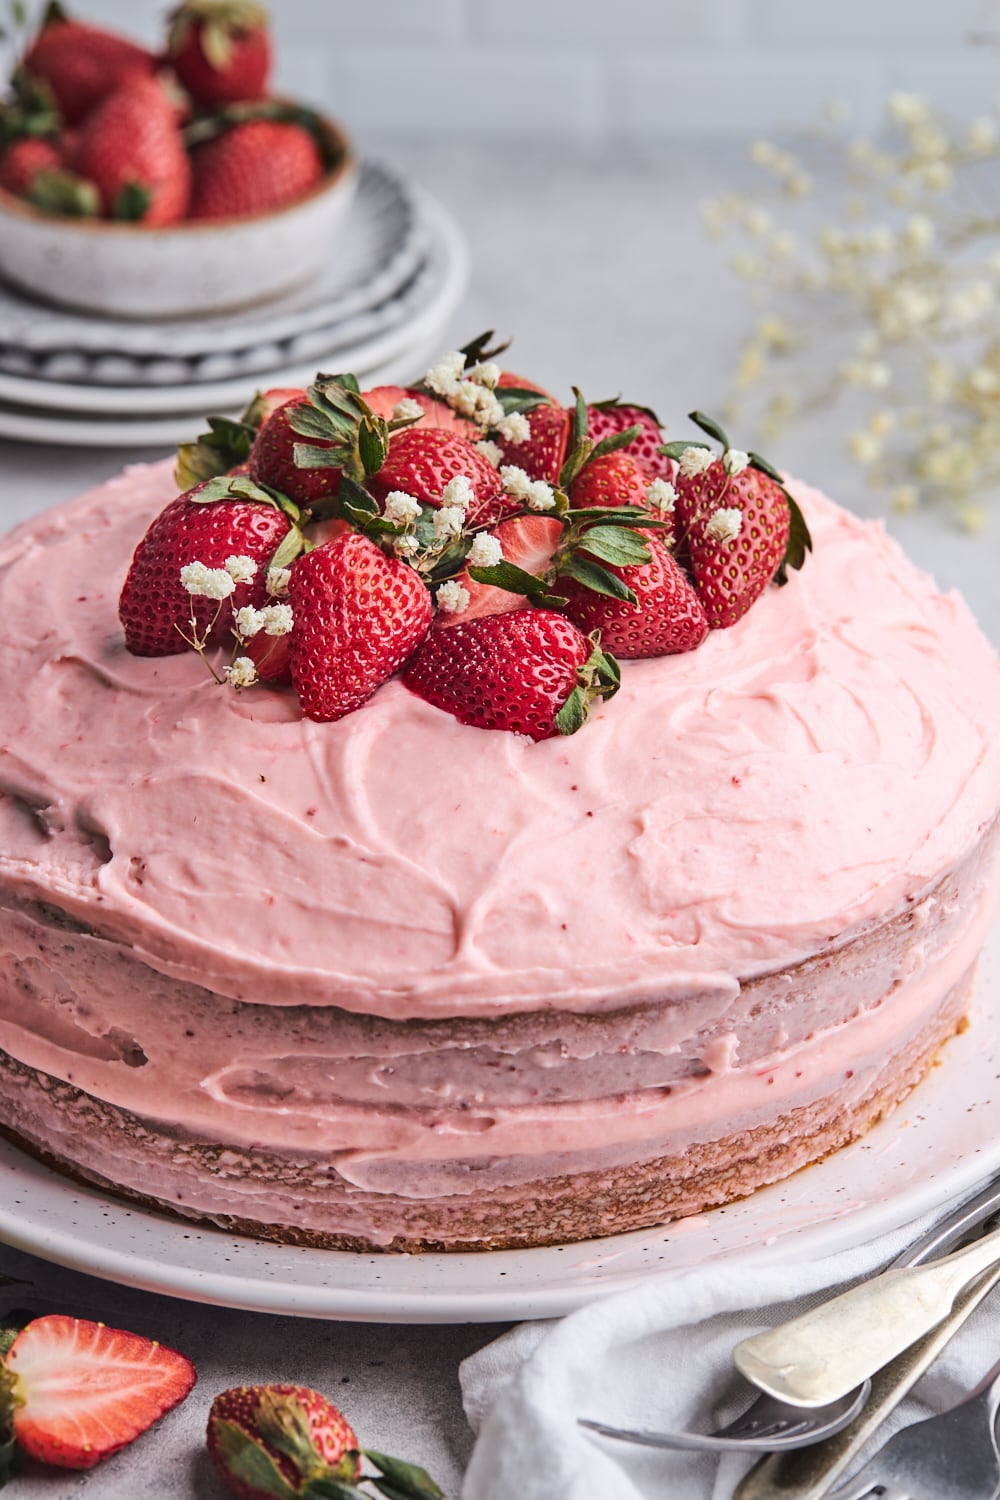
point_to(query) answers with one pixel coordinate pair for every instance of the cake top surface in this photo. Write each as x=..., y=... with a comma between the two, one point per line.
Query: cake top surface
x=803, y=774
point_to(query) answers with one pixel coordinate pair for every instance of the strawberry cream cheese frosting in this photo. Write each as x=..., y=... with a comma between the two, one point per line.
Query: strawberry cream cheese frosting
x=398, y=945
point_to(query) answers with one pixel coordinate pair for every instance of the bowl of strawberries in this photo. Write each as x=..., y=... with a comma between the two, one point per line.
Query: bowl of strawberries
x=164, y=184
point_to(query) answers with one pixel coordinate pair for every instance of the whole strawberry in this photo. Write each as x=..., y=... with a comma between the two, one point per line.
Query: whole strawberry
x=220, y=50
x=272, y=457
x=131, y=149
x=83, y=64
x=736, y=525
x=357, y=616
x=528, y=670
x=422, y=460
x=253, y=168
x=666, y=616
x=74, y=1392
x=156, y=606
x=305, y=444
x=23, y=160
x=605, y=418
x=611, y=479
x=543, y=453
x=289, y=1440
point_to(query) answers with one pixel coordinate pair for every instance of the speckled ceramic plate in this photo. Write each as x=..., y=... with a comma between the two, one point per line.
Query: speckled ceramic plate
x=941, y=1143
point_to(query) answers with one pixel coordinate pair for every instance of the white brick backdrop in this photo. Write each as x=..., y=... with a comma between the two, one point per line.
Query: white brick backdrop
x=620, y=71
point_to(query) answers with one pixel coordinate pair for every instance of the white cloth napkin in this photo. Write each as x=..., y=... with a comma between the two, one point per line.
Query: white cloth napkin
x=658, y=1355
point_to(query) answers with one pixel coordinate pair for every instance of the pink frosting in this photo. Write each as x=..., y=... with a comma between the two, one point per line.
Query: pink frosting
x=799, y=777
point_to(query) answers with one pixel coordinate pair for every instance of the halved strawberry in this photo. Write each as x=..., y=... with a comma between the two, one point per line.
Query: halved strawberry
x=155, y=606
x=383, y=400
x=543, y=454
x=529, y=542
x=357, y=616
x=528, y=670
x=80, y=1391
x=667, y=615
x=423, y=460
x=608, y=417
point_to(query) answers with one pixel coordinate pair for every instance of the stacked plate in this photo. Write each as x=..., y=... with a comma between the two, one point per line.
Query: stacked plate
x=379, y=309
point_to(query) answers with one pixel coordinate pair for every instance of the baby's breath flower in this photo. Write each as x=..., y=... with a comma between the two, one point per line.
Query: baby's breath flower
x=452, y=597
x=458, y=492
x=401, y=508
x=444, y=377
x=937, y=176
x=277, y=581
x=661, y=496
x=241, y=569
x=477, y=403
x=448, y=521
x=515, y=429
x=242, y=673
x=249, y=621
x=734, y=460
x=695, y=461
x=486, y=550
x=984, y=381
x=982, y=135
x=491, y=452
x=487, y=374
x=405, y=546
x=407, y=410
x=763, y=153
x=904, y=499
x=277, y=619
x=540, y=496
x=205, y=582
x=515, y=481
x=757, y=221
x=865, y=446
x=907, y=109
x=725, y=524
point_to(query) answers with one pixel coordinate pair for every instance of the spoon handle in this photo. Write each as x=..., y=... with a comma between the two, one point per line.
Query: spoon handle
x=822, y=1354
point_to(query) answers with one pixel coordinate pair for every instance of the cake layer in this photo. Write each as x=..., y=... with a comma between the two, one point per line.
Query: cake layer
x=794, y=782
x=305, y=1200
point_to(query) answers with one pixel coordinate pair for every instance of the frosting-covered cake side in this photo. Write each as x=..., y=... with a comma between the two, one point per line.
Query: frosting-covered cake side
x=807, y=773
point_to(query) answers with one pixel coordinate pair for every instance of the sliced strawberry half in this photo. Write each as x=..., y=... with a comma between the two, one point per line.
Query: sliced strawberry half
x=529, y=542
x=80, y=1391
x=383, y=400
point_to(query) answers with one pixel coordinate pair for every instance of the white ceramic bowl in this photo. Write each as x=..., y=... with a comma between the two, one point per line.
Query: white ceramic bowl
x=131, y=271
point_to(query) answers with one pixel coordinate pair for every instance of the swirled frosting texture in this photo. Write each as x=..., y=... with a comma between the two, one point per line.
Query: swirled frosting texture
x=799, y=777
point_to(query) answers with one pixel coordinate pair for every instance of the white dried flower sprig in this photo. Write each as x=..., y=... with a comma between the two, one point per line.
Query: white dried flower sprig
x=471, y=393
x=911, y=264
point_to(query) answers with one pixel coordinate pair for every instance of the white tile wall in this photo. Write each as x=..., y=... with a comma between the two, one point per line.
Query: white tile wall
x=615, y=70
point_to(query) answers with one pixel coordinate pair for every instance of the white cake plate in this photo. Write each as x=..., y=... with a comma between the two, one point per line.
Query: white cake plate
x=938, y=1145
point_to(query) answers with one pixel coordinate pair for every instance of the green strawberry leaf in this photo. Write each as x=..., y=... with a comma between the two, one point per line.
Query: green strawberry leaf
x=54, y=13
x=328, y=1487
x=593, y=576
x=248, y=1461
x=506, y=575
x=479, y=349
x=66, y=194
x=756, y=462
x=288, y=549
x=132, y=203
x=573, y=714
x=674, y=450
x=618, y=515
x=373, y=444
x=312, y=422
x=516, y=398
x=346, y=382
x=709, y=425
x=799, y=541
x=618, y=545
x=614, y=441
x=308, y=457
x=357, y=498
x=599, y=677
x=410, y=1481
x=217, y=45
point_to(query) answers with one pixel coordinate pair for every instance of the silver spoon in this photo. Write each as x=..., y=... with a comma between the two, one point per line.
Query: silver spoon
x=778, y=1426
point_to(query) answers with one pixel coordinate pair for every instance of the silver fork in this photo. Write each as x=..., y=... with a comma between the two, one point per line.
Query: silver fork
x=778, y=1426
x=953, y=1456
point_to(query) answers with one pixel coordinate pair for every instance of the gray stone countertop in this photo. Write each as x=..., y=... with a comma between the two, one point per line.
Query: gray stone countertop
x=599, y=268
